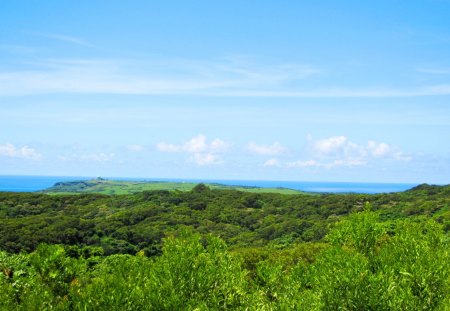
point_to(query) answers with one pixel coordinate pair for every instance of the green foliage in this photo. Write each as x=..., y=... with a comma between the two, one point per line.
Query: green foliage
x=117, y=281
x=195, y=274
x=360, y=231
x=407, y=268
x=417, y=259
x=126, y=224
x=159, y=251
x=38, y=281
x=404, y=268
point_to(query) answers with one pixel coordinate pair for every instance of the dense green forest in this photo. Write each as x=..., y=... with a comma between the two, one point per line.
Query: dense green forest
x=208, y=249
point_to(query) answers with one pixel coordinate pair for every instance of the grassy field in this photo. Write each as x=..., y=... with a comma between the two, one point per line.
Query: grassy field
x=127, y=187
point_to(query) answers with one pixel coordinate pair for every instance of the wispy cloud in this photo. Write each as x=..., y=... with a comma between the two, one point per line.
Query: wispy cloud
x=187, y=77
x=341, y=92
x=102, y=76
x=434, y=70
x=64, y=38
x=11, y=151
x=190, y=77
x=17, y=49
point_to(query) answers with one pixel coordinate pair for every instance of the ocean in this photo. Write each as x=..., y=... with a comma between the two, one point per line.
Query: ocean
x=37, y=183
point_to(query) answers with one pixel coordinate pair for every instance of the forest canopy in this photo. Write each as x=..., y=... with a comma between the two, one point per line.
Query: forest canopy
x=225, y=249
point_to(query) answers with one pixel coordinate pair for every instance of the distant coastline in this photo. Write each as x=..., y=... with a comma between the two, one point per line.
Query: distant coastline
x=37, y=183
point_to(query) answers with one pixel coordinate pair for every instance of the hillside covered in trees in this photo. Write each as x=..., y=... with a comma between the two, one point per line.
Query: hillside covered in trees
x=226, y=249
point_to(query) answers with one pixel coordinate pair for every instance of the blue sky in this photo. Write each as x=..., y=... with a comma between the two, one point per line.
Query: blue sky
x=278, y=90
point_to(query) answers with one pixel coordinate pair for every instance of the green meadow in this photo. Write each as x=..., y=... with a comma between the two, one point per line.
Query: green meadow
x=127, y=187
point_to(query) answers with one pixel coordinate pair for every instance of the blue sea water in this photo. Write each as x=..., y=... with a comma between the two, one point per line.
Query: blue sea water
x=36, y=183
x=332, y=187
x=32, y=183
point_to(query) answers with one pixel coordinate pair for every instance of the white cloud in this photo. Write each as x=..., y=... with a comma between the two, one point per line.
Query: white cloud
x=345, y=152
x=272, y=163
x=339, y=151
x=330, y=145
x=203, y=159
x=135, y=148
x=328, y=165
x=274, y=149
x=24, y=152
x=218, y=145
x=197, y=144
x=204, y=152
x=383, y=150
x=341, y=147
x=379, y=149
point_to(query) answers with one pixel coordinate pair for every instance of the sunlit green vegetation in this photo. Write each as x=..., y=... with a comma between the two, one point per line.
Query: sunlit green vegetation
x=210, y=249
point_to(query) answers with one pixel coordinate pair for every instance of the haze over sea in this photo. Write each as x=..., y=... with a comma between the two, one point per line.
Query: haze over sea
x=37, y=183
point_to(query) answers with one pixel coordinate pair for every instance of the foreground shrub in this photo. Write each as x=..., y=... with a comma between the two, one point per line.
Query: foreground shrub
x=367, y=265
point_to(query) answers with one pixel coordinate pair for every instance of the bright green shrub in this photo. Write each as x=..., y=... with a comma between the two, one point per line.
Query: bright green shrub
x=117, y=282
x=366, y=265
x=195, y=274
x=376, y=267
x=417, y=261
